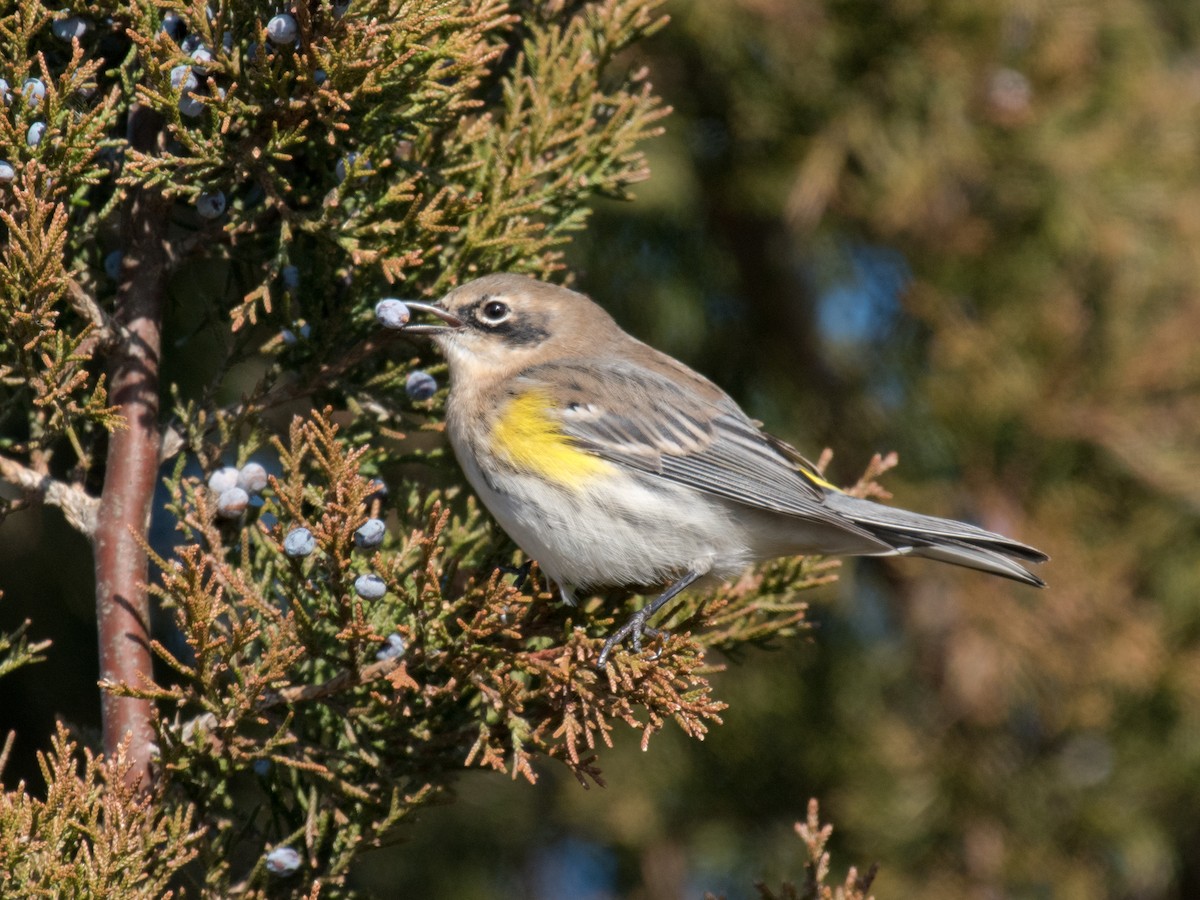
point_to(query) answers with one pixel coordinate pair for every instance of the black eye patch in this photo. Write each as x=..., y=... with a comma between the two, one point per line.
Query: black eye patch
x=521, y=331
x=517, y=328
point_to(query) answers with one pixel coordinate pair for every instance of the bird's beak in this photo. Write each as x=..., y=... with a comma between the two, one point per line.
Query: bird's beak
x=452, y=321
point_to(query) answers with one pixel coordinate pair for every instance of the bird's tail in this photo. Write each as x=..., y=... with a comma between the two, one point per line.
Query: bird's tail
x=945, y=540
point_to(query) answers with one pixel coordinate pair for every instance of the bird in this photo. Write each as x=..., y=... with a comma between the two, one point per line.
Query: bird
x=613, y=464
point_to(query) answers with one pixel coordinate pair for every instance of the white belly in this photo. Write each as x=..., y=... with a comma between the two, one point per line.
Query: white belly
x=621, y=531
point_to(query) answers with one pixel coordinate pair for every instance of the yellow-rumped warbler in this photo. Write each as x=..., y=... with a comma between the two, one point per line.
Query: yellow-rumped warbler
x=612, y=464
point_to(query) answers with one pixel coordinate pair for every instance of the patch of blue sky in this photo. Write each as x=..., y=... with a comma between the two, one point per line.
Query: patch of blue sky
x=572, y=867
x=861, y=305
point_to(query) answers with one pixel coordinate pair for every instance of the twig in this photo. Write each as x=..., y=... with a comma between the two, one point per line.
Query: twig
x=301, y=693
x=285, y=391
x=77, y=505
x=9, y=740
x=104, y=332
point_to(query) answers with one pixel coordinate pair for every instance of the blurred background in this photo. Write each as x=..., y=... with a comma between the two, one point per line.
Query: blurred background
x=967, y=231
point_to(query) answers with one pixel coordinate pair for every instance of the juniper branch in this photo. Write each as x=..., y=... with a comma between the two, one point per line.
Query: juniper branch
x=77, y=505
x=104, y=333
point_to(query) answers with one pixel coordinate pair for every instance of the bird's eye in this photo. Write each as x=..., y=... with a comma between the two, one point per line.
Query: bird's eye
x=494, y=312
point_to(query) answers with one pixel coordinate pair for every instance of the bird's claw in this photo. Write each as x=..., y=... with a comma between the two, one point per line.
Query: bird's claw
x=635, y=628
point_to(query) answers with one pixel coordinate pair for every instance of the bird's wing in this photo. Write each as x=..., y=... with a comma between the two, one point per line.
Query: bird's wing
x=643, y=419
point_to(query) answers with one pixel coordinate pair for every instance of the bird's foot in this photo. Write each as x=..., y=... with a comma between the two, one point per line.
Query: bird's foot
x=636, y=628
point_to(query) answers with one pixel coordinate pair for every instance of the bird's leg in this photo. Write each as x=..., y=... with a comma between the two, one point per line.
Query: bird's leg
x=636, y=626
x=521, y=571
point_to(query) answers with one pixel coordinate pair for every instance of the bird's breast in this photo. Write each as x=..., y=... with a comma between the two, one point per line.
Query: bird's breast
x=587, y=521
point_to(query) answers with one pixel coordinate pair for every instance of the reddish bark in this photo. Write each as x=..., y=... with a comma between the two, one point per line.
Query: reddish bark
x=122, y=601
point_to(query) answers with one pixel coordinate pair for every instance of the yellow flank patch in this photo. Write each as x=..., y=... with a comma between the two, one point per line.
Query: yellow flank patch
x=530, y=439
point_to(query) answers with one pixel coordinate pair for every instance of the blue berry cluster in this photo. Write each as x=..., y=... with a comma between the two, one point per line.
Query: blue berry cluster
x=369, y=536
x=394, y=314
x=300, y=542
x=234, y=487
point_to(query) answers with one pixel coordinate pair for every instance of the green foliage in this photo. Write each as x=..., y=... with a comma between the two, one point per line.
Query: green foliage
x=1033, y=167
x=93, y=835
x=45, y=368
x=291, y=725
x=395, y=147
x=16, y=651
x=397, y=142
